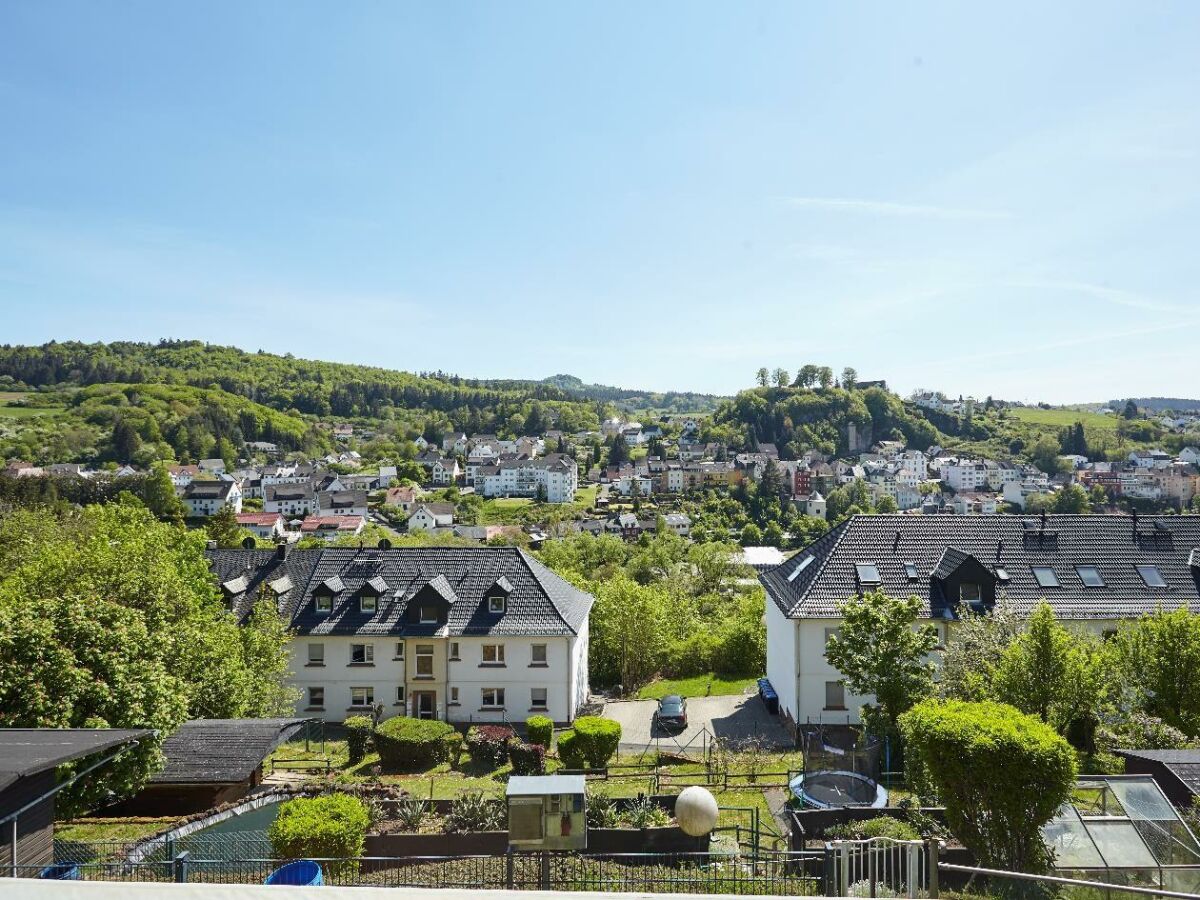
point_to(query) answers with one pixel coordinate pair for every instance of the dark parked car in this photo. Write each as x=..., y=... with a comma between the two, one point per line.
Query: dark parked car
x=671, y=713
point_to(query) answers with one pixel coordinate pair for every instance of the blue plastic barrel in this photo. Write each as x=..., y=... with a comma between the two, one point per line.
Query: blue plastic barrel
x=302, y=872
x=61, y=872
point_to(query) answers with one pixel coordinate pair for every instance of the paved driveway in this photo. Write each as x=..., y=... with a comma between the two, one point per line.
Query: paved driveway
x=729, y=718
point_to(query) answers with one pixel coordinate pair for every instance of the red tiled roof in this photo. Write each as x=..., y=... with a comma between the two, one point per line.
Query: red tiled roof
x=258, y=518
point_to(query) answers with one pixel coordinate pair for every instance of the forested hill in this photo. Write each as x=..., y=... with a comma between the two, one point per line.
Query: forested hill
x=286, y=383
x=624, y=399
x=796, y=419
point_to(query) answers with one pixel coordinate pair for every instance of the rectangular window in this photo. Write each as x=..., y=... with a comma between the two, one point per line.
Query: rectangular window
x=537, y=655
x=493, y=654
x=968, y=593
x=324, y=603
x=496, y=604
x=493, y=698
x=399, y=695
x=1151, y=576
x=316, y=698
x=454, y=650
x=429, y=615
x=399, y=651
x=316, y=654
x=537, y=698
x=362, y=696
x=424, y=660
x=454, y=696
x=910, y=571
x=867, y=572
x=831, y=632
x=1090, y=576
x=362, y=654
x=835, y=695
x=366, y=603
x=1045, y=576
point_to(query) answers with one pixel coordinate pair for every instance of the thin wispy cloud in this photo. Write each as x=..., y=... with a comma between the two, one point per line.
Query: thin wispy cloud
x=1103, y=292
x=860, y=206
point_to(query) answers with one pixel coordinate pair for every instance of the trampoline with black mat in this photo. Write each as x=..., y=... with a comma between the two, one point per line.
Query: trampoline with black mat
x=841, y=768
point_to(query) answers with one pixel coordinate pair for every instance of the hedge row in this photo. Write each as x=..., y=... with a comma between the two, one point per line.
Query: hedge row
x=406, y=743
x=332, y=826
x=590, y=744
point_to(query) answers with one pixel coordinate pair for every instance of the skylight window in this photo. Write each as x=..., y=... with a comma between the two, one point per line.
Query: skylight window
x=804, y=564
x=910, y=571
x=868, y=573
x=1001, y=573
x=1045, y=576
x=1151, y=576
x=1090, y=576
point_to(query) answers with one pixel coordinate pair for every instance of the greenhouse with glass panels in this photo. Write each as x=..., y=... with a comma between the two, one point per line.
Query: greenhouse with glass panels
x=1121, y=829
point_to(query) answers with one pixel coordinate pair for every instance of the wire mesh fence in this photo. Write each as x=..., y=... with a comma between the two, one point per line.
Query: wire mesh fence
x=776, y=874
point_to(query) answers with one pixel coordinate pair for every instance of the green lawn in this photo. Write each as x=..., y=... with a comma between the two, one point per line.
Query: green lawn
x=1061, y=418
x=699, y=686
x=27, y=412
x=121, y=830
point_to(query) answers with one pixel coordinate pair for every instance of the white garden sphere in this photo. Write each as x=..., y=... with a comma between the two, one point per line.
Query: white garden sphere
x=696, y=811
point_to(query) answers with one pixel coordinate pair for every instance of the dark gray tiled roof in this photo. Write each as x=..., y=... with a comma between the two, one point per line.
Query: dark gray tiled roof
x=539, y=602
x=221, y=751
x=1116, y=545
x=1184, y=764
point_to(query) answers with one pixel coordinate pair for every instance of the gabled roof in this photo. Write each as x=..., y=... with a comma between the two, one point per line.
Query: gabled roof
x=1115, y=545
x=221, y=751
x=1183, y=764
x=539, y=602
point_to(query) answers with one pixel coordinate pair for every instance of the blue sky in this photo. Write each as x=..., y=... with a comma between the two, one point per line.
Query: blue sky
x=997, y=199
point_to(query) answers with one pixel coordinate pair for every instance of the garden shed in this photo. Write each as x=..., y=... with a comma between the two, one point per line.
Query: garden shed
x=29, y=760
x=1176, y=771
x=210, y=762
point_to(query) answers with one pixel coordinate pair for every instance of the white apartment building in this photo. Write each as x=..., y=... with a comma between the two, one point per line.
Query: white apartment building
x=464, y=634
x=556, y=474
x=207, y=498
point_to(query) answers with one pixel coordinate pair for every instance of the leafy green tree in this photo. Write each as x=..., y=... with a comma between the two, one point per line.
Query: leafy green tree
x=1071, y=499
x=1157, y=658
x=849, y=378
x=628, y=631
x=780, y=377
x=973, y=653
x=885, y=504
x=1044, y=454
x=825, y=377
x=618, y=451
x=752, y=536
x=762, y=377
x=109, y=617
x=881, y=650
x=773, y=535
x=807, y=376
x=1130, y=411
x=125, y=440
x=160, y=496
x=1050, y=672
x=1000, y=774
x=223, y=528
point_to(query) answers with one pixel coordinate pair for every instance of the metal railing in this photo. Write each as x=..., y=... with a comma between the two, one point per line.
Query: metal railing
x=1090, y=888
x=881, y=866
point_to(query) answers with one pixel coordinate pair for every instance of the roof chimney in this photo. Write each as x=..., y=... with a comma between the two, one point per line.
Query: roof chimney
x=1135, y=523
x=999, y=549
x=282, y=549
x=896, y=541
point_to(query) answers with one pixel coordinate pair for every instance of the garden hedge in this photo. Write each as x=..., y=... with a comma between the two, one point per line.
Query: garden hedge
x=526, y=759
x=358, y=736
x=570, y=753
x=540, y=730
x=488, y=744
x=597, y=739
x=406, y=743
x=332, y=826
x=1001, y=775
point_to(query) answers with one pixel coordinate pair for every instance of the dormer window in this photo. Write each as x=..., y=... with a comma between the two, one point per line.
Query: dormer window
x=367, y=603
x=428, y=615
x=323, y=603
x=970, y=593
x=496, y=603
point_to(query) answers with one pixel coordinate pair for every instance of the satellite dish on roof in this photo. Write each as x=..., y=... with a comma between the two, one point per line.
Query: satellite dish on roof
x=385, y=544
x=249, y=543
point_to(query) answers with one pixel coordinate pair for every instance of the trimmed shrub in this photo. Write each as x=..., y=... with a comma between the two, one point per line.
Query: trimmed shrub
x=488, y=744
x=597, y=739
x=570, y=751
x=1001, y=775
x=358, y=736
x=526, y=759
x=404, y=743
x=330, y=826
x=540, y=730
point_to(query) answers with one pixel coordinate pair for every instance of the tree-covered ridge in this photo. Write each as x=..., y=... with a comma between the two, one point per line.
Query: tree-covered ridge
x=286, y=382
x=796, y=419
x=631, y=400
